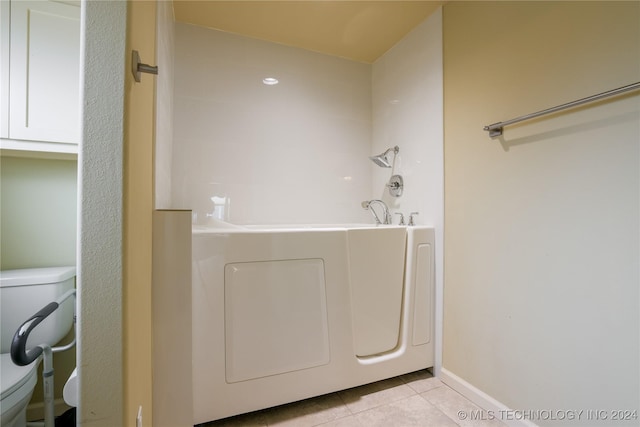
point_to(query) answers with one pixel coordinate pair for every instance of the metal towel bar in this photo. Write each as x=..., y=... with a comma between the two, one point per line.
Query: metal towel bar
x=496, y=128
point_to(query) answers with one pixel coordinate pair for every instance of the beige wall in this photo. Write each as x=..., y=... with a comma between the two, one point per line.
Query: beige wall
x=542, y=225
x=138, y=209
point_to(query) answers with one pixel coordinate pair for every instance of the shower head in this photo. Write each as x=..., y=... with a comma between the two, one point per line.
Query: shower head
x=382, y=160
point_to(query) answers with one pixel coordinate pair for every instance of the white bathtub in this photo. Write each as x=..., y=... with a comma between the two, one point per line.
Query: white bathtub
x=286, y=313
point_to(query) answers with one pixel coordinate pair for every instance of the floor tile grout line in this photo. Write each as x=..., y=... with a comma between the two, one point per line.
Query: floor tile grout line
x=437, y=407
x=340, y=393
x=333, y=420
x=344, y=402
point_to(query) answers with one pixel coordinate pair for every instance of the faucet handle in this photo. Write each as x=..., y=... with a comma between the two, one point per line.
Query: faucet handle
x=411, y=217
x=401, y=218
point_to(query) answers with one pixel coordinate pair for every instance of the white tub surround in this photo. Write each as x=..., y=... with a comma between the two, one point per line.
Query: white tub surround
x=252, y=153
x=285, y=314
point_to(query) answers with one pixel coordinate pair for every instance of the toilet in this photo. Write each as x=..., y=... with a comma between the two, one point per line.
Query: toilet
x=22, y=294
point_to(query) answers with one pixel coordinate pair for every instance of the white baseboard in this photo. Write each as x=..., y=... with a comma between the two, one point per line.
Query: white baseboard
x=491, y=407
x=35, y=411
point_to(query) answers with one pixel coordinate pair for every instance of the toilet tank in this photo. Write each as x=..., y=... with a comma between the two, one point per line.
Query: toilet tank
x=24, y=292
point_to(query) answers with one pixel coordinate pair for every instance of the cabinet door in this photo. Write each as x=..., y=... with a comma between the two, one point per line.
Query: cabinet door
x=44, y=71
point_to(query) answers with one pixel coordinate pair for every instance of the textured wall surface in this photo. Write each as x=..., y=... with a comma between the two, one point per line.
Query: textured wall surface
x=100, y=218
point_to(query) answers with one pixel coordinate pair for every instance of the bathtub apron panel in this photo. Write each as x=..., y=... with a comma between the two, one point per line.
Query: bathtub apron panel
x=274, y=318
x=420, y=252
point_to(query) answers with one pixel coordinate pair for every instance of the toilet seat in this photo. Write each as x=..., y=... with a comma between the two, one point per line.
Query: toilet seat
x=17, y=384
x=14, y=376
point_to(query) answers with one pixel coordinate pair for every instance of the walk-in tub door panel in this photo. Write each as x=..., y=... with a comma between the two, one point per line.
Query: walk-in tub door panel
x=376, y=267
x=275, y=318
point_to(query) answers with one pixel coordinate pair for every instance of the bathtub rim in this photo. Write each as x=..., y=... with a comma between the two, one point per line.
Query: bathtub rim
x=259, y=228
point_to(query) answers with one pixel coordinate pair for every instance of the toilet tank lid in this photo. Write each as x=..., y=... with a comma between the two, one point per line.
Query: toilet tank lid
x=35, y=276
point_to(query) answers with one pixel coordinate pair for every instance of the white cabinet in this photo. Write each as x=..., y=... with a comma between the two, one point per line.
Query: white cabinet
x=40, y=76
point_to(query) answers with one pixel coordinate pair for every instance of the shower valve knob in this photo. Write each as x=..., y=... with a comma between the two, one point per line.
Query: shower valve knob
x=396, y=185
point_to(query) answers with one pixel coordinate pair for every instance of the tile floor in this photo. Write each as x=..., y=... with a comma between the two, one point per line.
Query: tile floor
x=415, y=399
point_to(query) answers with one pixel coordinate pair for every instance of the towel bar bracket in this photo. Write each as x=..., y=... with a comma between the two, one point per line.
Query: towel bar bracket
x=138, y=67
x=494, y=131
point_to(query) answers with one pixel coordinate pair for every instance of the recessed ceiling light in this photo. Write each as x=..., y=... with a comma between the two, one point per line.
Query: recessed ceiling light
x=270, y=81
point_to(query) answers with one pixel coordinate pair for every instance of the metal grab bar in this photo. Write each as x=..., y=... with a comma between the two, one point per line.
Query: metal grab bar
x=19, y=355
x=496, y=128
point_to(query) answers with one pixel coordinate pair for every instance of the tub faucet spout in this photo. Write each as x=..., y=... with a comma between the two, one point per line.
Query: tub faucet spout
x=385, y=211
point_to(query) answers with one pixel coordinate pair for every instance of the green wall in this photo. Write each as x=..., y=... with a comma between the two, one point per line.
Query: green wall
x=38, y=212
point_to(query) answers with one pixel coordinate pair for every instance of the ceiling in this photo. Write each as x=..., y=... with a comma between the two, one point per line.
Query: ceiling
x=359, y=30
